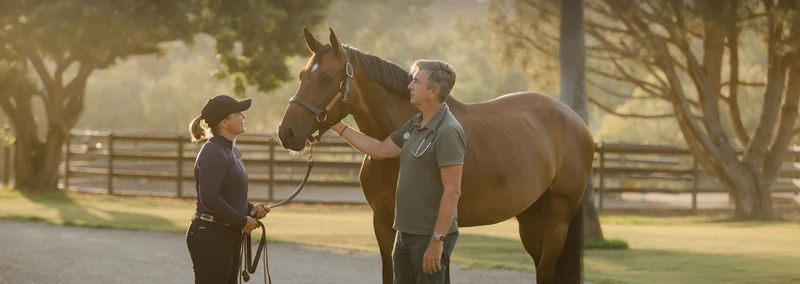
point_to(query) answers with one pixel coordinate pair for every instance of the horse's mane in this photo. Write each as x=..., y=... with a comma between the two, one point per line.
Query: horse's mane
x=388, y=74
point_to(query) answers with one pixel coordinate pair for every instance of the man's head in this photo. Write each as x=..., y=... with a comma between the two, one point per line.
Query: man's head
x=431, y=78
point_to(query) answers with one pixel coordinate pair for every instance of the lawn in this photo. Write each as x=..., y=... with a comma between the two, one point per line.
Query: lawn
x=662, y=250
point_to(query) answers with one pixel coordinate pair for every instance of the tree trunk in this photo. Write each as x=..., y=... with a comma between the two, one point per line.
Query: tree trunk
x=572, y=58
x=591, y=224
x=36, y=163
x=752, y=197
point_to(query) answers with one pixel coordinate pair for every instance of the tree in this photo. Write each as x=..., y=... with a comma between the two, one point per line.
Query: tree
x=65, y=41
x=687, y=53
x=166, y=90
x=572, y=57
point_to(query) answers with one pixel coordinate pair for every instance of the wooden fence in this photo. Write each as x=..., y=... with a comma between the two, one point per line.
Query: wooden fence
x=119, y=157
x=162, y=165
x=630, y=168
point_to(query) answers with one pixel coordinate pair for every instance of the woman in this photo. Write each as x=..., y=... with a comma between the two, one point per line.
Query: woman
x=223, y=213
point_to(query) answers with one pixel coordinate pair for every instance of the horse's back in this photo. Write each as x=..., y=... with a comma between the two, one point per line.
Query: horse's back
x=516, y=146
x=525, y=120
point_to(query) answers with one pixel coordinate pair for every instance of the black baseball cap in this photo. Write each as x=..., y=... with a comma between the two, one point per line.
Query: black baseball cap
x=219, y=107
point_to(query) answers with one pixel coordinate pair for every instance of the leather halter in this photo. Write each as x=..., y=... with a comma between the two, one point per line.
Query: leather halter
x=322, y=114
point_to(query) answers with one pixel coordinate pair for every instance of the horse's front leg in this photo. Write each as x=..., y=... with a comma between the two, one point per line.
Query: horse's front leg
x=385, y=236
x=378, y=181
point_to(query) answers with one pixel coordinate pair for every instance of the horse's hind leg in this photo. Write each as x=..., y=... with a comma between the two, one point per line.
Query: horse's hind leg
x=384, y=233
x=530, y=230
x=558, y=211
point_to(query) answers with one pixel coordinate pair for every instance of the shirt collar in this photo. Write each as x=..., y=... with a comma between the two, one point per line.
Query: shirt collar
x=222, y=141
x=435, y=119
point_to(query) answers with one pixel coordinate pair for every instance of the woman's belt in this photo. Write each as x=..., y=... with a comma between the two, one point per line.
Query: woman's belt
x=209, y=218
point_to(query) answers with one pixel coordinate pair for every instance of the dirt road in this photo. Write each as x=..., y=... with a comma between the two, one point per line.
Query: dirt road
x=37, y=253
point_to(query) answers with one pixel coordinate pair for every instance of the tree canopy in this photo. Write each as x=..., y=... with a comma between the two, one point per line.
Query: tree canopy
x=65, y=41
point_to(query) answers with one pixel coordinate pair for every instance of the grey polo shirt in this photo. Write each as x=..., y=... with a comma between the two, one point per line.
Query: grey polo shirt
x=419, y=184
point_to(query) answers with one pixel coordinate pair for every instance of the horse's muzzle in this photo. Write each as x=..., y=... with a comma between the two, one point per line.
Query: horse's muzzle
x=291, y=139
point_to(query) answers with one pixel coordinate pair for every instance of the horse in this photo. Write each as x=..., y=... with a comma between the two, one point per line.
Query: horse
x=528, y=155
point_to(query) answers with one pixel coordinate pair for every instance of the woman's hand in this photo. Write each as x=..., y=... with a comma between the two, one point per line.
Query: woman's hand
x=250, y=225
x=259, y=211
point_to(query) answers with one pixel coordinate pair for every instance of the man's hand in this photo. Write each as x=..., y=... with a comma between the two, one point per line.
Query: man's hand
x=366, y=144
x=250, y=225
x=432, y=260
x=259, y=211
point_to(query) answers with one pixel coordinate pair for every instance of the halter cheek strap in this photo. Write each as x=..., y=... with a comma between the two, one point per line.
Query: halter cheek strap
x=306, y=104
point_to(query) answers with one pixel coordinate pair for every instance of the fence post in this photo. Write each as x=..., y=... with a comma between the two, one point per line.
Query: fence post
x=66, y=160
x=6, y=157
x=695, y=181
x=271, y=172
x=111, y=163
x=796, y=159
x=602, y=177
x=179, y=183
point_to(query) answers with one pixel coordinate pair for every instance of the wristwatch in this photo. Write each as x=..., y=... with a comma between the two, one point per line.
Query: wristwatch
x=437, y=236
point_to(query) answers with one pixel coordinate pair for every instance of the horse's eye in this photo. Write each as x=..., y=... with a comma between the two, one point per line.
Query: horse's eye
x=328, y=79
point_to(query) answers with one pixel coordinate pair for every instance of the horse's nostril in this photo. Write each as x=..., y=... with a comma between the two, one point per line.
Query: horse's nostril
x=289, y=133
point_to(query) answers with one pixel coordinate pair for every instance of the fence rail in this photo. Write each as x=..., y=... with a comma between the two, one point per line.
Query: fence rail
x=642, y=169
x=115, y=162
x=163, y=157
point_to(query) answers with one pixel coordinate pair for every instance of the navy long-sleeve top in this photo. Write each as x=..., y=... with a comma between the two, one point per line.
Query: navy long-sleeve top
x=221, y=182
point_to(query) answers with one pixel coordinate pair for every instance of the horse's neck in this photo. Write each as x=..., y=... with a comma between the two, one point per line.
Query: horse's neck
x=378, y=112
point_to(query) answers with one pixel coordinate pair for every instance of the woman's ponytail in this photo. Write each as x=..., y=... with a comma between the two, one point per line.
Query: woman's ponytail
x=199, y=133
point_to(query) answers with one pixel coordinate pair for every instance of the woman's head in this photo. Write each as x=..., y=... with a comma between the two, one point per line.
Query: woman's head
x=224, y=115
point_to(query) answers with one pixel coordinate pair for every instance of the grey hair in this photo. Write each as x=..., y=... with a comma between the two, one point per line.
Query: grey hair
x=440, y=75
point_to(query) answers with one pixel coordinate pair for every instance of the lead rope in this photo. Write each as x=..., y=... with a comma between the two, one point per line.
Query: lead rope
x=246, y=245
x=303, y=183
x=246, y=248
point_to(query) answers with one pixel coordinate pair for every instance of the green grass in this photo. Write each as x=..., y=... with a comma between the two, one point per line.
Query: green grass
x=703, y=249
x=606, y=244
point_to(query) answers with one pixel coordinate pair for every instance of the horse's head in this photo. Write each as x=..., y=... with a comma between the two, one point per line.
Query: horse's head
x=322, y=97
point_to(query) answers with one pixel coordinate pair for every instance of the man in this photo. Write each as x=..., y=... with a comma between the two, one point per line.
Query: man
x=431, y=147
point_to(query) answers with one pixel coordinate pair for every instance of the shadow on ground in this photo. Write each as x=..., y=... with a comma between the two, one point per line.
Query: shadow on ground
x=74, y=214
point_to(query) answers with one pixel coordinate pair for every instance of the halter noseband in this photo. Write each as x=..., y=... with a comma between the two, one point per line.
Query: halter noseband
x=322, y=114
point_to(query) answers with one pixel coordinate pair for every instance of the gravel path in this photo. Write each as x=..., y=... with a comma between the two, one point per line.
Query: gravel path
x=38, y=253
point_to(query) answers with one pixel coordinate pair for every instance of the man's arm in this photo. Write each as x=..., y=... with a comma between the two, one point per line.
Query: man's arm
x=367, y=145
x=450, y=151
x=451, y=180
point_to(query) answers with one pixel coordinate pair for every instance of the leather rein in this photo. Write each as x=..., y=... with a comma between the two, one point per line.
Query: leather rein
x=249, y=263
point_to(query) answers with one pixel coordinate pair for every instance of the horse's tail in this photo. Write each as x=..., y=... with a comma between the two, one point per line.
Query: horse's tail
x=569, y=267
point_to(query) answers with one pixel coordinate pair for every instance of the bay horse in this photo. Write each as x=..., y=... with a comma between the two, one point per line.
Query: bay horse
x=528, y=155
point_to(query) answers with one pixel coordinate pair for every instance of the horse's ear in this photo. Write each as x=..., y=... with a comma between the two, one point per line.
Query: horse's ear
x=337, y=47
x=311, y=41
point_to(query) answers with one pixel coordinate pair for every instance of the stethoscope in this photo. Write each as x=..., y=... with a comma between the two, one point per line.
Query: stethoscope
x=407, y=135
